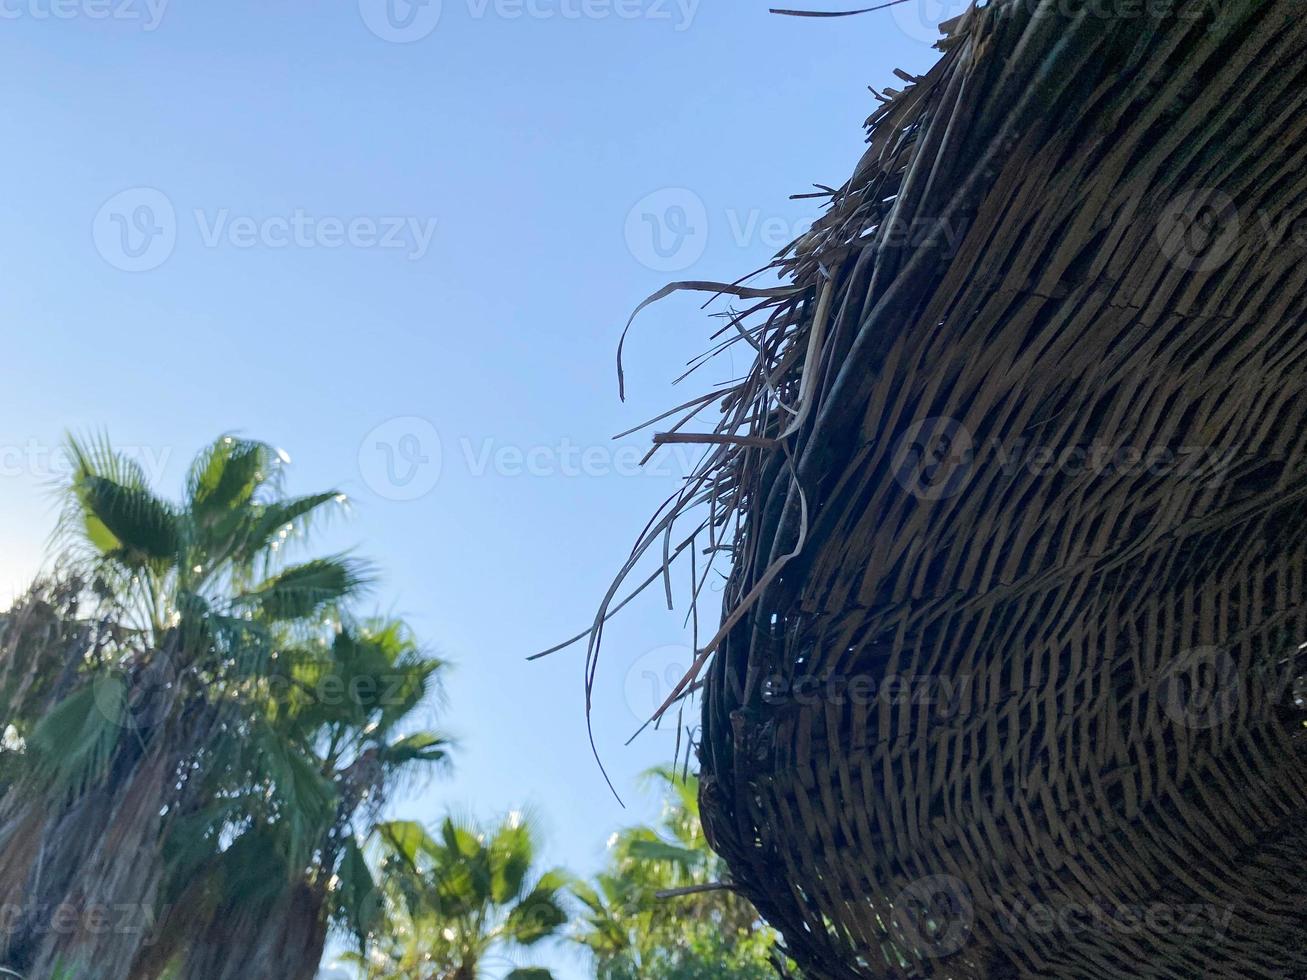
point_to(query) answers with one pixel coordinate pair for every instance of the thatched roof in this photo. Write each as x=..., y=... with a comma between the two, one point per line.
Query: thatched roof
x=1014, y=498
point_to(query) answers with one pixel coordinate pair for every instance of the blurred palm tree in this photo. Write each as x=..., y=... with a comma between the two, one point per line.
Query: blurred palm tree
x=637, y=932
x=462, y=899
x=201, y=747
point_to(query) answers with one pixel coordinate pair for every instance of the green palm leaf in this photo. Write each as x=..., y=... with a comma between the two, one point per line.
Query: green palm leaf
x=660, y=850
x=94, y=456
x=305, y=800
x=73, y=744
x=261, y=525
x=225, y=475
x=358, y=899
x=303, y=591
x=130, y=519
x=540, y=914
x=511, y=853
x=408, y=839
x=463, y=896
x=418, y=747
x=273, y=768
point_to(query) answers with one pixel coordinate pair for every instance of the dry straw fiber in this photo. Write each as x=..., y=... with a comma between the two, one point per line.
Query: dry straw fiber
x=1014, y=501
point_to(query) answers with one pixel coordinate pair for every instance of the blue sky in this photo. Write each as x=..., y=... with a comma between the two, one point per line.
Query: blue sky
x=402, y=246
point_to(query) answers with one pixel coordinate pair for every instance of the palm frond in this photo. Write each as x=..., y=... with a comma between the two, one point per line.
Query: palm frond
x=654, y=849
x=226, y=475
x=72, y=746
x=357, y=898
x=541, y=913
x=431, y=747
x=302, y=591
x=511, y=851
x=128, y=521
x=406, y=839
x=94, y=455
x=305, y=801
x=264, y=525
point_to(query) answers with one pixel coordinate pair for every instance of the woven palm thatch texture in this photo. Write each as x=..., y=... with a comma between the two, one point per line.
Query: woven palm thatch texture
x=1009, y=677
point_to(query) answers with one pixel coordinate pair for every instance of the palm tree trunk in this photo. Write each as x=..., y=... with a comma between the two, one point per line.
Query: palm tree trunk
x=106, y=910
x=281, y=942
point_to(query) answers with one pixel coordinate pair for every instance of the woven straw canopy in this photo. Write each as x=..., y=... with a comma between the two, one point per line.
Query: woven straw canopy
x=1009, y=677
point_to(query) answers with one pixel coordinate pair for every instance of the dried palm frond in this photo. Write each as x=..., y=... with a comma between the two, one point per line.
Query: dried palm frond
x=1015, y=499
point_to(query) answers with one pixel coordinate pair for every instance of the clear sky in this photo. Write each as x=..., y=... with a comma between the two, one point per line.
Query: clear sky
x=401, y=246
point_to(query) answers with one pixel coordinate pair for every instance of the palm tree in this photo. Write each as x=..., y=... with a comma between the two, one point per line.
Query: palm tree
x=462, y=898
x=237, y=918
x=636, y=932
x=181, y=752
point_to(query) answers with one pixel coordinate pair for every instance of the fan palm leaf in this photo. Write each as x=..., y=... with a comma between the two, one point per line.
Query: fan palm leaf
x=463, y=895
x=235, y=700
